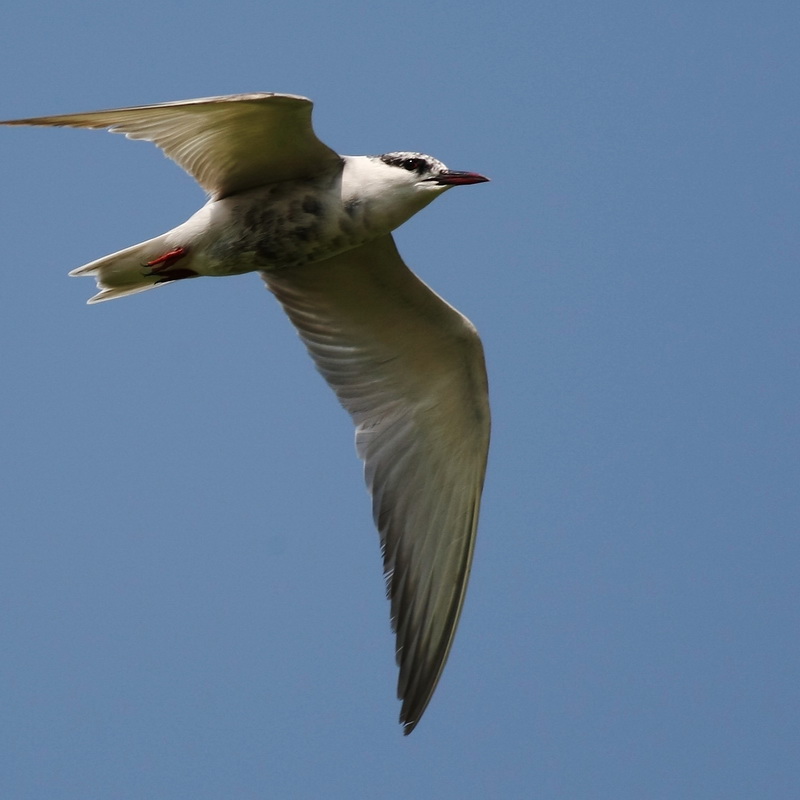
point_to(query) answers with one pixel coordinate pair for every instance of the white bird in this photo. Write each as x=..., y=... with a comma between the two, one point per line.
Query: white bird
x=407, y=366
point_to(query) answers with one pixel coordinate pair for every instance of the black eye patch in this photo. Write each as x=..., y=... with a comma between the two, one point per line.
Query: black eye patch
x=412, y=164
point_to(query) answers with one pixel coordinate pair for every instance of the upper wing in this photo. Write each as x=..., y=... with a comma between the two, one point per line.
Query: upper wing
x=409, y=368
x=228, y=144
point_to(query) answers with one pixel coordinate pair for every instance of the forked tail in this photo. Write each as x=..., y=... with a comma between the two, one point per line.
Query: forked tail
x=136, y=269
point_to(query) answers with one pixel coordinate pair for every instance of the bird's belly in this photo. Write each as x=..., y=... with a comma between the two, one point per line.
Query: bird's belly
x=273, y=229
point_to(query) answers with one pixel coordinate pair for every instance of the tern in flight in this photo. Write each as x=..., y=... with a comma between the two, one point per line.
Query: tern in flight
x=405, y=364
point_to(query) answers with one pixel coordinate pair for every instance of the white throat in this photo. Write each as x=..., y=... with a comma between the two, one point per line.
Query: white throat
x=388, y=196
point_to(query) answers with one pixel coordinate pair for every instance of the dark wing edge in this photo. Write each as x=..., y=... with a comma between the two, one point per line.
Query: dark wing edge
x=410, y=370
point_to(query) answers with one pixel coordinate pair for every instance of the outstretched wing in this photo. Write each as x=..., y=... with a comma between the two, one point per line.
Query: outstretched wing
x=229, y=144
x=409, y=368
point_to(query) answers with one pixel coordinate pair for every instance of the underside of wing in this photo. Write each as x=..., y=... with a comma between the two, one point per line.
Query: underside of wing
x=229, y=144
x=409, y=368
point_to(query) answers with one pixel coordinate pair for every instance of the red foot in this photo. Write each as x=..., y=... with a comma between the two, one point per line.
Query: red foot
x=168, y=259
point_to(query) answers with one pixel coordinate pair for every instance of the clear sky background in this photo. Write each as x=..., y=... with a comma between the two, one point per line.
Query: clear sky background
x=191, y=599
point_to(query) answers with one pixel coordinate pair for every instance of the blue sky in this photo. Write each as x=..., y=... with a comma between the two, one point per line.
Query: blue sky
x=192, y=602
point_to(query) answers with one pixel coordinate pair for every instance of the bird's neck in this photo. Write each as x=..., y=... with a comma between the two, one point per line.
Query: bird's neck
x=381, y=206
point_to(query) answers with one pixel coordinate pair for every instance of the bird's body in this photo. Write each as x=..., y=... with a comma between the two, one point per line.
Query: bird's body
x=285, y=224
x=406, y=365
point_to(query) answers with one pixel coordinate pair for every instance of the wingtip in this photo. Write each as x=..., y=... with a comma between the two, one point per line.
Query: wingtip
x=409, y=720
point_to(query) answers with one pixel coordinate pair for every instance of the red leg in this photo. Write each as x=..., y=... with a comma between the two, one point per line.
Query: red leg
x=167, y=260
x=162, y=267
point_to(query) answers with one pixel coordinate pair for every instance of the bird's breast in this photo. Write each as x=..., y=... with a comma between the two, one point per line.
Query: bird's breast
x=284, y=225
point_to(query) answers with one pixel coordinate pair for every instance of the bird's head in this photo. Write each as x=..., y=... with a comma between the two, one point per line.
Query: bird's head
x=425, y=173
x=398, y=185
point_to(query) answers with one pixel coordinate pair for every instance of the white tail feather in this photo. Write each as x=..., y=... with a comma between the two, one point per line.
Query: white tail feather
x=125, y=272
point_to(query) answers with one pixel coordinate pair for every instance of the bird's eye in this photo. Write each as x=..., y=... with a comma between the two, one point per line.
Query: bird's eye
x=408, y=162
x=413, y=164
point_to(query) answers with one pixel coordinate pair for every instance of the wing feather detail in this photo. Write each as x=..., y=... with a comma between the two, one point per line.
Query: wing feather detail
x=409, y=369
x=228, y=144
